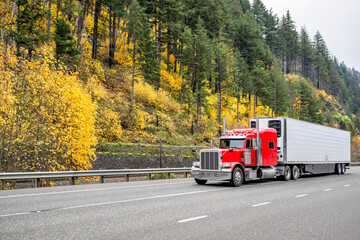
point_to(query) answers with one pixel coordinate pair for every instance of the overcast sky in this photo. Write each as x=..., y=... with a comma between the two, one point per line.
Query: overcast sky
x=338, y=21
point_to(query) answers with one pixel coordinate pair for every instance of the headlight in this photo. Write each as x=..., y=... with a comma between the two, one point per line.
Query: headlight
x=226, y=165
x=196, y=164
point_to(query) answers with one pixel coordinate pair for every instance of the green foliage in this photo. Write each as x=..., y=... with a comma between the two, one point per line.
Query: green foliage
x=65, y=43
x=29, y=33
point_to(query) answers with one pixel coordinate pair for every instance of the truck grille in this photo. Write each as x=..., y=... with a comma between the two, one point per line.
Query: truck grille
x=209, y=160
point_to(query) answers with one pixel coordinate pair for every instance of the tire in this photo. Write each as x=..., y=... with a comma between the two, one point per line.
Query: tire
x=343, y=169
x=338, y=169
x=295, y=172
x=200, y=182
x=287, y=173
x=237, y=177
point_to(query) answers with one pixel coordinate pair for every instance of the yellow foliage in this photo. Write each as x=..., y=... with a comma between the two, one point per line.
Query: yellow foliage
x=160, y=99
x=171, y=82
x=46, y=117
x=108, y=125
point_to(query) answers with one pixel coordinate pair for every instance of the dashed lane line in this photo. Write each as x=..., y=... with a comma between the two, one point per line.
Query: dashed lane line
x=192, y=219
x=261, y=204
x=328, y=189
x=302, y=195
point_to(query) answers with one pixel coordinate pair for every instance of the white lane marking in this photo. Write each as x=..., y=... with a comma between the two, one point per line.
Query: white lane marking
x=347, y=185
x=302, y=195
x=122, y=201
x=260, y=204
x=192, y=219
x=90, y=190
x=326, y=190
x=15, y=214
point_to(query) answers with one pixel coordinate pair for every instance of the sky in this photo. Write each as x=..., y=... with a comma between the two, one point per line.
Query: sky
x=338, y=21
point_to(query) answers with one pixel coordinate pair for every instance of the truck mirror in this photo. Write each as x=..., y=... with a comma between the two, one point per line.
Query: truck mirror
x=231, y=150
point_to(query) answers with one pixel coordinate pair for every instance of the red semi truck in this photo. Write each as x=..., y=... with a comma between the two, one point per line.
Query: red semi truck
x=284, y=148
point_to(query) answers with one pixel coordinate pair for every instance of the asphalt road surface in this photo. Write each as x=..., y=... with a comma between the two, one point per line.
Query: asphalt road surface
x=313, y=207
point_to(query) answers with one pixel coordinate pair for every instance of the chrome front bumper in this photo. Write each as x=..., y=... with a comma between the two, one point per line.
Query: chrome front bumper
x=211, y=175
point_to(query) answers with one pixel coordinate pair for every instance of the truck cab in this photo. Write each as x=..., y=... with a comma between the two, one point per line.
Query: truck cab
x=238, y=156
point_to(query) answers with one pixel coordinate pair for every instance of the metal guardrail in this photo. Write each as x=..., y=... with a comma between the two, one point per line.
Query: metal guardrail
x=72, y=175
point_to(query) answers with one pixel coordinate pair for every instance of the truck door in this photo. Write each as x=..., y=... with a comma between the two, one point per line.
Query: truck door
x=250, y=148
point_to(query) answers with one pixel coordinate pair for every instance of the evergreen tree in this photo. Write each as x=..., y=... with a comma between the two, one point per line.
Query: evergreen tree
x=203, y=65
x=29, y=32
x=271, y=32
x=147, y=51
x=260, y=14
x=307, y=54
x=245, y=5
x=288, y=43
x=133, y=27
x=65, y=43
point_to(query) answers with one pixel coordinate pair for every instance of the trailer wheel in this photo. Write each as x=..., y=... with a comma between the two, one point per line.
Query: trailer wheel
x=287, y=173
x=237, y=177
x=338, y=169
x=200, y=182
x=295, y=172
x=343, y=169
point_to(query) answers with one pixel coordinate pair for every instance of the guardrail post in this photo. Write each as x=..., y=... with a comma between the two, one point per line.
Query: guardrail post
x=126, y=178
x=101, y=180
x=167, y=175
x=149, y=176
x=37, y=182
x=186, y=175
x=72, y=181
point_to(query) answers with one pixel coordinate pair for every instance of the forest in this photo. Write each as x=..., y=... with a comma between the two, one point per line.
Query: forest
x=78, y=73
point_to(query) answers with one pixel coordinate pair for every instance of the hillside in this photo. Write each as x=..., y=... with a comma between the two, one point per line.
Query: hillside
x=74, y=74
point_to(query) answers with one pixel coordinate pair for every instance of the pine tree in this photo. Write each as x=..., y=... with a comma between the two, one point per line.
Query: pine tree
x=65, y=43
x=29, y=33
x=307, y=54
x=289, y=43
x=203, y=65
x=147, y=51
x=133, y=27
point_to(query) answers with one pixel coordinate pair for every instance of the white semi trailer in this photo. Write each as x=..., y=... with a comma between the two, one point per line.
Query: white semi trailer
x=313, y=148
x=274, y=147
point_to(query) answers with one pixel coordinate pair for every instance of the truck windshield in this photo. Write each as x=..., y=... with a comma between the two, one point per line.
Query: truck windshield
x=232, y=143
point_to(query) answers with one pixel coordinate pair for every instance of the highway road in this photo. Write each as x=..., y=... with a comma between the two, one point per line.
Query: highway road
x=313, y=207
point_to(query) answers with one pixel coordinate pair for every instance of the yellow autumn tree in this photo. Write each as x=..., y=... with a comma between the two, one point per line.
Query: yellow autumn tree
x=46, y=117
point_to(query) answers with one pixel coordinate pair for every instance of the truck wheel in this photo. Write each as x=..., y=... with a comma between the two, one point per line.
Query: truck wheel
x=200, y=182
x=338, y=169
x=343, y=169
x=287, y=173
x=295, y=172
x=237, y=177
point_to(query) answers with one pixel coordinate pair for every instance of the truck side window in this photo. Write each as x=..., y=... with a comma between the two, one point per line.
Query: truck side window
x=271, y=145
x=249, y=144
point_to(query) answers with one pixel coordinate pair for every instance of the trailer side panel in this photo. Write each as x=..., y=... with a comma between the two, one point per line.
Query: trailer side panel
x=308, y=143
